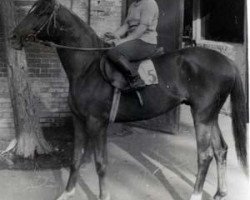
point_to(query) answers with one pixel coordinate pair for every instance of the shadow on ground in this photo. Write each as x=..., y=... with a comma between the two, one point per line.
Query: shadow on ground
x=61, y=139
x=162, y=151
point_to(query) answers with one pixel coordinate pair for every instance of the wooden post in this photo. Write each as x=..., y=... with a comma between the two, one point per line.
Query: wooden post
x=29, y=137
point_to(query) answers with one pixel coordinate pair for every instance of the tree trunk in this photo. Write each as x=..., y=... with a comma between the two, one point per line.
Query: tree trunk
x=29, y=137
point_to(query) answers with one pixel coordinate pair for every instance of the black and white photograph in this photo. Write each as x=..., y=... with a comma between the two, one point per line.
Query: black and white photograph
x=124, y=100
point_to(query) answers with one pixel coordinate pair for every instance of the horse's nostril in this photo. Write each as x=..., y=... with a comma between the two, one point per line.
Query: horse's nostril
x=13, y=37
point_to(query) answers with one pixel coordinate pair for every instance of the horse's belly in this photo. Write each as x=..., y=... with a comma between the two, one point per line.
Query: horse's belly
x=154, y=104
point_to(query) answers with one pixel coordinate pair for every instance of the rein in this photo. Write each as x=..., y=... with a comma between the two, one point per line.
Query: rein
x=58, y=46
x=32, y=38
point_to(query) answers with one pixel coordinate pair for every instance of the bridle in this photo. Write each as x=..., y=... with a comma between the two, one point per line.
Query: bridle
x=32, y=38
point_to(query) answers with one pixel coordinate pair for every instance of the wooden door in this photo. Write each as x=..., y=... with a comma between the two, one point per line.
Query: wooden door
x=169, y=36
x=170, y=25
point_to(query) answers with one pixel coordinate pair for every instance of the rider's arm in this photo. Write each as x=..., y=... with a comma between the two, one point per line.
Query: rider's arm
x=148, y=12
x=120, y=32
x=137, y=33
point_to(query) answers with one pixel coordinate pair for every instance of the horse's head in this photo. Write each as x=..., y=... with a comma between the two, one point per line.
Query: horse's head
x=37, y=24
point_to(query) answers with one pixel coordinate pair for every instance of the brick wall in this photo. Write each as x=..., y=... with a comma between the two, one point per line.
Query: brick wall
x=3, y=70
x=6, y=119
x=48, y=80
x=105, y=15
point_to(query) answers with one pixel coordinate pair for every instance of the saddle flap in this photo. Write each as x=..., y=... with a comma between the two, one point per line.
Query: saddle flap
x=145, y=69
x=112, y=75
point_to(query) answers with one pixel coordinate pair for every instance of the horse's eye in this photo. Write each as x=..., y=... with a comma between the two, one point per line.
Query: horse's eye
x=14, y=36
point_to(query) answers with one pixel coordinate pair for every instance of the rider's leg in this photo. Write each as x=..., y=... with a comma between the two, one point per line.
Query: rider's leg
x=125, y=67
x=133, y=50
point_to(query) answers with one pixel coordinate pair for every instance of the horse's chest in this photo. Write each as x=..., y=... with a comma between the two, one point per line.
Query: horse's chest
x=89, y=102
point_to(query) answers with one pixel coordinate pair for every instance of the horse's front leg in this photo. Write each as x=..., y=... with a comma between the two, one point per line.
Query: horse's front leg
x=98, y=131
x=80, y=139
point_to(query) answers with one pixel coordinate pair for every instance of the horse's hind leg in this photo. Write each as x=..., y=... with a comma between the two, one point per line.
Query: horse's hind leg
x=80, y=139
x=205, y=155
x=220, y=153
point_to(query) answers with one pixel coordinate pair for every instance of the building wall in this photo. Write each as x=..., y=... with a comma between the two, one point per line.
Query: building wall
x=234, y=51
x=48, y=79
x=105, y=15
x=6, y=120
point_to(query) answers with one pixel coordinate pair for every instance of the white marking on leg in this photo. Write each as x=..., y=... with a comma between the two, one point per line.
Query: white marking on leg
x=67, y=195
x=105, y=197
x=196, y=197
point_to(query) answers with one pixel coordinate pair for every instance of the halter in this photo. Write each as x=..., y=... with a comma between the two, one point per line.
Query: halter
x=33, y=36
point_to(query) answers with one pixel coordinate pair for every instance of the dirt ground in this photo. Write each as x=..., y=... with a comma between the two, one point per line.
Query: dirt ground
x=143, y=165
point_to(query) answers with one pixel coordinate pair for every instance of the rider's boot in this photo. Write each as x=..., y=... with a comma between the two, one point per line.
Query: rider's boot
x=134, y=80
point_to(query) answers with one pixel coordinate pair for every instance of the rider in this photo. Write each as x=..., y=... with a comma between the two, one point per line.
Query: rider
x=135, y=40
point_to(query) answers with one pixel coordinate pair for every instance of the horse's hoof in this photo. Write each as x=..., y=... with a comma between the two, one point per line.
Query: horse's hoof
x=220, y=196
x=66, y=195
x=105, y=197
x=196, y=197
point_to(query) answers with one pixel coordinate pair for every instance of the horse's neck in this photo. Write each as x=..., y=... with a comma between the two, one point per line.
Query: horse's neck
x=75, y=33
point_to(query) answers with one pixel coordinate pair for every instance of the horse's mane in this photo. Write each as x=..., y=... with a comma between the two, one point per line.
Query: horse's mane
x=43, y=7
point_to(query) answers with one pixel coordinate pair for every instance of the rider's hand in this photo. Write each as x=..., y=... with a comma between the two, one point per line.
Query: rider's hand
x=110, y=36
x=112, y=42
x=118, y=42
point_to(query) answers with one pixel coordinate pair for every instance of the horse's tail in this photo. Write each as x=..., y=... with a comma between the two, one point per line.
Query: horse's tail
x=239, y=119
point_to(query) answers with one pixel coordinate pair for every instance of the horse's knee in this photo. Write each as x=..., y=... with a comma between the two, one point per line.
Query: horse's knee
x=221, y=155
x=100, y=169
x=74, y=167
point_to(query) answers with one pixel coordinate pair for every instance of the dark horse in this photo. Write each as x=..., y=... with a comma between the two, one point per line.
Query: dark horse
x=198, y=77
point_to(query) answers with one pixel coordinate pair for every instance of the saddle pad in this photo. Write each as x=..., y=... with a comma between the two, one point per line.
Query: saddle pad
x=148, y=73
x=145, y=68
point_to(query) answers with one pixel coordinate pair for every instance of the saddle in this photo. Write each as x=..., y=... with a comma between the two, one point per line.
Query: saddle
x=112, y=75
x=118, y=81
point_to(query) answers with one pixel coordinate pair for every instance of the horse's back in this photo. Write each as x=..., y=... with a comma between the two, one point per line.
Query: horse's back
x=206, y=67
x=196, y=72
x=208, y=59
x=195, y=60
